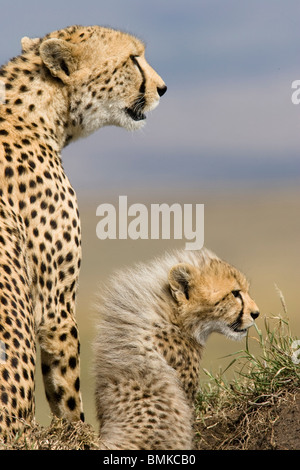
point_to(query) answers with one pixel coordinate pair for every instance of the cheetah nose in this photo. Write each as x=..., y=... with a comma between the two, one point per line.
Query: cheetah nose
x=254, y=315
x=161, y=90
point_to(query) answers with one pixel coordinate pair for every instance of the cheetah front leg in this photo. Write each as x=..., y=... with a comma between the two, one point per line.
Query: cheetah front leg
x=59, y=344
x=17, y=334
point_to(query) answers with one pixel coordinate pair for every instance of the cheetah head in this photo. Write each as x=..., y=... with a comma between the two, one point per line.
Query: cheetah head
x=105, y=77
x=213, y=298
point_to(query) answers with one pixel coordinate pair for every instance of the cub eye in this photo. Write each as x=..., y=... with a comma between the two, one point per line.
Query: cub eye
x=236, y=293
x=134, y=59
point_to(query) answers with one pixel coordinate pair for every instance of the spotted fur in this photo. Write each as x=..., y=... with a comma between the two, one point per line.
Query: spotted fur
x=62, y=87
x=153, y=321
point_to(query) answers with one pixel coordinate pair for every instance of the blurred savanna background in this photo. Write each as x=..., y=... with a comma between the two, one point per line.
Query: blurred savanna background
x=226, y=135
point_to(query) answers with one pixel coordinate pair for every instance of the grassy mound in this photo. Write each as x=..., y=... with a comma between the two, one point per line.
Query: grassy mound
x=60, y=435
x=260, y=408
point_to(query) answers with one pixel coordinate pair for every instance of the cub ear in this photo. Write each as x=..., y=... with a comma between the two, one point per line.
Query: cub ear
x=181, y=280
x=58, y=56
x=28, y=43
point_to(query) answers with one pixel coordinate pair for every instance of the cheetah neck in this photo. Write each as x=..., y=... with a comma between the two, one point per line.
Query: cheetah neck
x=182, y=353
x=33, y=101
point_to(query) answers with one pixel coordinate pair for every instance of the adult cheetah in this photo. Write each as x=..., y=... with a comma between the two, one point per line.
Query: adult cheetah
x=153, y=322
x=62, y=87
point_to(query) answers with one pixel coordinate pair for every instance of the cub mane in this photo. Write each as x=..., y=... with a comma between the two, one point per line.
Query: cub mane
x=131, y=302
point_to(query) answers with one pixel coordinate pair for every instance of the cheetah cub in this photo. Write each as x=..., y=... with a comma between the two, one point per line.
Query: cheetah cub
x=153, y=322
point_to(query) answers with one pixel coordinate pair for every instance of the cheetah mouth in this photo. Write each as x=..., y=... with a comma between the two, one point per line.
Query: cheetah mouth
x=238, y=330
x=235, y=327
x=135, y=113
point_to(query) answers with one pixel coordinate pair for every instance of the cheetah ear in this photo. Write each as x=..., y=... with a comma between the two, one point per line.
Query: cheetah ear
x=181, y=280
x=58, y=56
x=28, y=43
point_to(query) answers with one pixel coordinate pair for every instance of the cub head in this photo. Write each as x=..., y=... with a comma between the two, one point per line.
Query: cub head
x=106, y=76
x=213, y=298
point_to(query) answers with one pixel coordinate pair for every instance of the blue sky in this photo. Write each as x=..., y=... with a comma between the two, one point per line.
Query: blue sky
x=227, y=114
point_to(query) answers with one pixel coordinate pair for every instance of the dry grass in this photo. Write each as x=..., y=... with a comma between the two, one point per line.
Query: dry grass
x=260, y=409
x=60, y=435
x=274, y=426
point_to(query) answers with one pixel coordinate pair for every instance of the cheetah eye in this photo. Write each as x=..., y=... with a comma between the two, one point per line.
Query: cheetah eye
x=134, y=60
x=236, y=293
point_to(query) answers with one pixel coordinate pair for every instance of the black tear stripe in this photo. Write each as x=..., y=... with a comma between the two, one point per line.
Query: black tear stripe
x=141, y=101
x=240, y=316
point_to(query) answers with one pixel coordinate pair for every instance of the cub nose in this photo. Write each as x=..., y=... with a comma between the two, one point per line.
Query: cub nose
x=161, y=90
x=254, y=315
